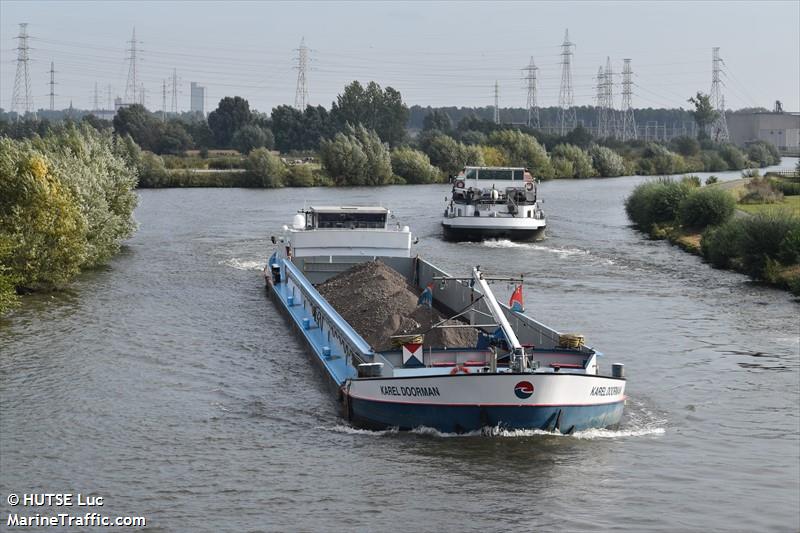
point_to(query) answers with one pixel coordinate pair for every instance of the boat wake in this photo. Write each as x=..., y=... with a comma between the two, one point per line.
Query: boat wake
x=242, y=264
x=505, y=243
x=639, y=422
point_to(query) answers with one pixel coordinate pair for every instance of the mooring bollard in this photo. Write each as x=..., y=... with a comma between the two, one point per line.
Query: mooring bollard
x=326, y=352
x=306, y=323
x=290, y=301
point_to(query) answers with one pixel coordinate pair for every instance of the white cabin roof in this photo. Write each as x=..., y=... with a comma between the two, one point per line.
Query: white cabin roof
x=348, y=209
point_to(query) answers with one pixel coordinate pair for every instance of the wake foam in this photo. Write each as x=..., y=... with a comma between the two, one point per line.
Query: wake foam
x=561, y=252
x=242, y=264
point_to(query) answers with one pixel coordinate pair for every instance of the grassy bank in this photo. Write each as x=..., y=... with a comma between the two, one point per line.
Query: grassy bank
x=763, y=243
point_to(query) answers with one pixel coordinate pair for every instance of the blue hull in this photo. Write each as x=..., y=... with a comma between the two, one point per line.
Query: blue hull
x=462, y=419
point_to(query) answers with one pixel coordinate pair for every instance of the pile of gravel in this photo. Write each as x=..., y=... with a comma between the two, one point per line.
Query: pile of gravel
x=378, y=302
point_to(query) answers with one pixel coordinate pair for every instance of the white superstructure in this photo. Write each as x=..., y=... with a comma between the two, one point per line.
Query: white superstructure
x=494, y=202
x=346, y=231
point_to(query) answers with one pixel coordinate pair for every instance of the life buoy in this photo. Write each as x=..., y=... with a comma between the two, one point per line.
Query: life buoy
x=458, y=369
x=459, y=184
x=529, y=186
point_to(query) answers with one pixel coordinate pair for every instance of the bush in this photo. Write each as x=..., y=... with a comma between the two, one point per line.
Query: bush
x=763, y=154
x=152, y=171
x=356, y=157
x=226, y=162
x=685, y=146
x=580, y=161
x=250, y=136
x=656, y=159
x=472, y=137
x=266, y=169
x=766, y=236
x=413, y=166
x=711, y=180
x=761, y=191
x=713, y=162
x=493, y=157
x=785, y=187
x=524, y=150
x=721, y=245
x=706, y=207
x=691, y=181
x=734, y=157
x=606, y=162
x=655, y=202
x=300, y=176
x=66, y=202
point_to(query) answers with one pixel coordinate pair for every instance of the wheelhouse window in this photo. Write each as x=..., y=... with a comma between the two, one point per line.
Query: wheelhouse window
x=351, y=220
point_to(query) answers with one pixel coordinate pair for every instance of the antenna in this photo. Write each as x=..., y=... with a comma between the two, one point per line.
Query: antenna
x=22, y=100
x=566, y=111
x=301, y=93
x=533, y=108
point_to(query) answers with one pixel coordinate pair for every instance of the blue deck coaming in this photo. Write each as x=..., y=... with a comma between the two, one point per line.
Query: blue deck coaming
x=373, y=414
x=336, y=365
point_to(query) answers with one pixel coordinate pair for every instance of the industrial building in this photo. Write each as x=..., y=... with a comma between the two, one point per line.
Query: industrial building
x=198, y=98
x=779, y=128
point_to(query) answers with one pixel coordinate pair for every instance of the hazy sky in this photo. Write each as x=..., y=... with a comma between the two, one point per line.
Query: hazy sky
x=444, y=53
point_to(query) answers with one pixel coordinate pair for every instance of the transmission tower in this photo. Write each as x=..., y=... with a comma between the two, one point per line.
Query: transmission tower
x=109, y=102
x=52, y=87
x=96, y=99
x=611, y=111
x=163, y=100
x=566, y=102
x=496, y=103
x=132, y=87
x=142, y=95
x=719, y=129
x=533, y=108
x=602, y=122
x=174, y=91
x=22, y=100
x=301, y=93
x=628, y=120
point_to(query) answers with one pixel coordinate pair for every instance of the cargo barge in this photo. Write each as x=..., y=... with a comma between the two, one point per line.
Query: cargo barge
x=520, y=374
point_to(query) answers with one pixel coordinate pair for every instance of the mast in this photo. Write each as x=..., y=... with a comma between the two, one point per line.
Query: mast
x=497, y=313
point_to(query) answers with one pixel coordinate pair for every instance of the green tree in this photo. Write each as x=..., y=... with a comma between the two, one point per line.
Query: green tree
x=172, y=138
x=266, y=168
x=137, y=122
x=413, y=166
x=580, y=162
x=521, y=149
x=606, y=162
x=704, y=113
x=356, y=157
x=231, y=114
x=380, y=110
x=250, y=136
x=300, y=176
x=438, y=120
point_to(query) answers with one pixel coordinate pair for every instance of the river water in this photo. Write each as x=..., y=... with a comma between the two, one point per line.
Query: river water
x=168, y=384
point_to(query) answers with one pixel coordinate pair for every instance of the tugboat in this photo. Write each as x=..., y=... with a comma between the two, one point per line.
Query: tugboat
x=517, y=374
x=494, y=203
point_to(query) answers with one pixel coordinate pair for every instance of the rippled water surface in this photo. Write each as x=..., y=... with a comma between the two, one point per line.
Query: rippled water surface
x=169, y=384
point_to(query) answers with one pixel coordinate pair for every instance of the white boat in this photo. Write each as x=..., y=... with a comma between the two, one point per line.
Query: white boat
x=520, y=374
x=494, y=203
